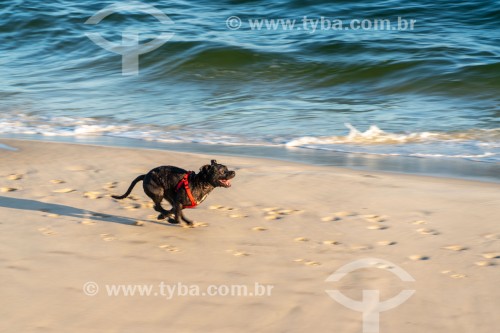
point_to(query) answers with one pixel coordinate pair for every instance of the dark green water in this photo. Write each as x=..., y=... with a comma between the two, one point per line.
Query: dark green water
x=431, y=92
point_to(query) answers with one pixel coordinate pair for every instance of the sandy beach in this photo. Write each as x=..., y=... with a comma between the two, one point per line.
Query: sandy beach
x=282, y=226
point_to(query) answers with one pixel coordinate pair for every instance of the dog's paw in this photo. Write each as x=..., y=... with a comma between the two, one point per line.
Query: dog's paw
x=160, y=217
x=172, y=221
x=189, y=223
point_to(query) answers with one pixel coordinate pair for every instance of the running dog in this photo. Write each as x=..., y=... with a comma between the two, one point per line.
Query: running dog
x=181, y=188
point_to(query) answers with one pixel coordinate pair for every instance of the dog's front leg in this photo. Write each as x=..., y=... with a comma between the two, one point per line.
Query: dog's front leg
x=185, y=219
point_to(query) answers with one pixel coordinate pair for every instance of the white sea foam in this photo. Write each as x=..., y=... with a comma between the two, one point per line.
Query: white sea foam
x=374, y=135
x=477, y=144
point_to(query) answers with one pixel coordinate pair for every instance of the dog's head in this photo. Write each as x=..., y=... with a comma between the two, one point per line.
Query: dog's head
x=217, y=174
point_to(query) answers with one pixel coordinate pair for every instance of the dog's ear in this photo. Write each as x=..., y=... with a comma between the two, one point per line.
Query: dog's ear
x=205, y=168
x=214, y=162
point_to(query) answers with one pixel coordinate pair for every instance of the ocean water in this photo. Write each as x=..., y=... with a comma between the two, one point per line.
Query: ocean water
x=428, y=93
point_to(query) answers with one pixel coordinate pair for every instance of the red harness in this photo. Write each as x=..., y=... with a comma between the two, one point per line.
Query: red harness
x=185, y=182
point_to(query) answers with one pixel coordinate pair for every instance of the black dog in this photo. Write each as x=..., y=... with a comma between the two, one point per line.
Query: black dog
x=181, y=188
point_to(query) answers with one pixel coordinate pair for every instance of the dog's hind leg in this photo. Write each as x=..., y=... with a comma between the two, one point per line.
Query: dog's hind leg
x=163, y=213
x=155, y=192
x=158, y=207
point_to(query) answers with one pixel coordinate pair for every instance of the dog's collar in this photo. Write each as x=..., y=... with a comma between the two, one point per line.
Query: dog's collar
x=185, y=182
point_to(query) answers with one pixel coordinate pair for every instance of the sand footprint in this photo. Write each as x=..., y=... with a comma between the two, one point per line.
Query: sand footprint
x=330, y=218
x=377, y=227
x=199, y=225
x=8, y=189
x=132, y=206
x=64, y=190
x=492, y=236
x=107, y=237
x=386, y=243
x=92, y=195
x=221, y=208
x=331, y=242
x=453, y=275
x=485, y=263
x=360, y=247
x=301, y=239
x=147, y=204
x=238, y=216
x=491, y=255
x=15, y=177
x=307, y=262
x=345, y=214
x=337, y=216
x=277, y=213
x=455, y=248
x=418, y=257
x=238, y=253
x=259, y=229
x=375, y=218
x=426, y=231
x=290, y=211
x=46, y=231
x=57, y=181
x=312, y=263
x=228, y=209
x=110, y=185
x=169, y=248
x=87, y=222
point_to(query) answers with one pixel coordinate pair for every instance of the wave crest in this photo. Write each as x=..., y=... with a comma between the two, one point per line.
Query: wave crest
x=375, y=135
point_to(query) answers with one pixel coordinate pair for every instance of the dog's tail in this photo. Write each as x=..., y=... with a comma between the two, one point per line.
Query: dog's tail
x=131, y=187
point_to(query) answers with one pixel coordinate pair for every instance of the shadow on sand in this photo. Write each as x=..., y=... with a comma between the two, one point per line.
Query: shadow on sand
x=34, y=205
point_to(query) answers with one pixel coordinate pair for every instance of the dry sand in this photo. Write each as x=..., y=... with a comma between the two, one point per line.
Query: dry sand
x=281, y=224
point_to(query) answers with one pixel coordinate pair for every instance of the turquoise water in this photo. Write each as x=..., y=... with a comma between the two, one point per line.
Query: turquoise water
x=432, y=92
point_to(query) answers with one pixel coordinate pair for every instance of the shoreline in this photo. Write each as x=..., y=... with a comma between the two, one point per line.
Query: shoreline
x=440, y=168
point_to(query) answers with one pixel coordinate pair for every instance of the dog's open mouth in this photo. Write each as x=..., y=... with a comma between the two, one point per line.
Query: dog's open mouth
x=225, y=182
